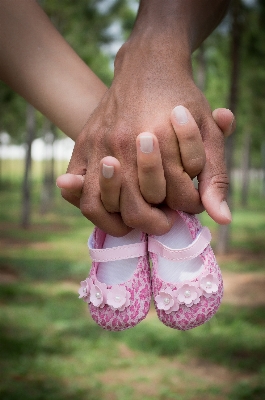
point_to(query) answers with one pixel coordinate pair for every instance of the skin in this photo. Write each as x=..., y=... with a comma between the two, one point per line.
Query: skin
x=150, y=168
x=39, y=64
x=32, y=54
x=153, y=75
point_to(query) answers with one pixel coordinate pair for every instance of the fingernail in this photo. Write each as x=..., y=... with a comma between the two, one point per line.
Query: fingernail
x=107, y=171
x=181, y=115
x=224, y=210
x=146, y=144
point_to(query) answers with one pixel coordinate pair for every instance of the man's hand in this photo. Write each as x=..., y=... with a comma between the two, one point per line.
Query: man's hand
x=127, y=109
x=153, y=75
x=149, y=164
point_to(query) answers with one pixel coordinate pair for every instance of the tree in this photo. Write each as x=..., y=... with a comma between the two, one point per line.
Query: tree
x=86, y=24
x=26, y=187
x=47, y=190
x=235, y=49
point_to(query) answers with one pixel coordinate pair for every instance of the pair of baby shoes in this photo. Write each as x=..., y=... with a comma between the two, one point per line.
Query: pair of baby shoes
x=185, y=280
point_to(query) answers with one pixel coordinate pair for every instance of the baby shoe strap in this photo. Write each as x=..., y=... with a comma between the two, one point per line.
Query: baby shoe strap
x=189, y=252
x=118, y=253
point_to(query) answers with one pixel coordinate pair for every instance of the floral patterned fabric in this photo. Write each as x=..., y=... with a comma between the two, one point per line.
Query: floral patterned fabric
x=121, y=306
x=189, y=304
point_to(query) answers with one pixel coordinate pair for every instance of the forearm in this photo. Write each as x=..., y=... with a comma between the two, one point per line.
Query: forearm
x=187, y=22
x=163, y=38
x=39, y=64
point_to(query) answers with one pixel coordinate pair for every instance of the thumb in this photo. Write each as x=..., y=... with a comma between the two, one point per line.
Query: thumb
x=225, y=120
x=71, y=187
x=213, y=180
x=71, y=183
x=213, y=195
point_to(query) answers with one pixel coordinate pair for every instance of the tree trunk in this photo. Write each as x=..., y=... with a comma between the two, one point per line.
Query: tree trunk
x=245, y=169
x=263, y=168
x=26, y=188
x=1, y=162
x=224, y=230
x=47, y=191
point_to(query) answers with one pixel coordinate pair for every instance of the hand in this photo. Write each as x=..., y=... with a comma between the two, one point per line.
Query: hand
x=150, y=169
x=153, y=74
x=151, y=178
x=139, y=100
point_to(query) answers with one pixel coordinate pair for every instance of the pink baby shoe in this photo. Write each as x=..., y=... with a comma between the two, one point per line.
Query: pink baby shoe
x=118, y=289
x=186, y=280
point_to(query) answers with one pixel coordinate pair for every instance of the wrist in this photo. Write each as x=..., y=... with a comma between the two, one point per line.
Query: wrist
x=155, y=51
x=166, y=21
x=160, y=33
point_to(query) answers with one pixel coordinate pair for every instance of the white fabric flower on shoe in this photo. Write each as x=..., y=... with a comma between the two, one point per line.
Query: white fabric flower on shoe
x=84, y=290
x=118, y=297
x=98, y=294
x=209, y=284
x=189, y=294
x=166, y=300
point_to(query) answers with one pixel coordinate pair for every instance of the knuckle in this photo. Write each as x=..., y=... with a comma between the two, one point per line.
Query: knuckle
x=220, y=180
x=163, y=128
x=120, y=140
x=189, y=135
x=148, y=167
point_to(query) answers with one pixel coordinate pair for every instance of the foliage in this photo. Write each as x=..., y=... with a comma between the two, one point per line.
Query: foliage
x=91, y=25
x=12, y=113
x=85, y=24
x=251, y=104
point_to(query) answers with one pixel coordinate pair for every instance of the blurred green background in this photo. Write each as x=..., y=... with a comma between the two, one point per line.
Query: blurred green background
x=50, y=348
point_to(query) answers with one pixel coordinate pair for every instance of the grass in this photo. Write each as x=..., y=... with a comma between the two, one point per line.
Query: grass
x=51, y=348
x=247, y=251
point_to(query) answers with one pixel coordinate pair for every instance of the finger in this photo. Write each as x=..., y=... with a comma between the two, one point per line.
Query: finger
x=180, y=191
x=70, y=197
x=225, y=120
x=189, y=139
x=150, y=169
x=139, y=214
x=71, y=183
x=110, y=183
x=93, y=209
x=71, y=187
x=213, y=180
x=79, y=158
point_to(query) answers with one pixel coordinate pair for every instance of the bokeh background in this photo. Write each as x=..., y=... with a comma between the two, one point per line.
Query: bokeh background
x=49, y=346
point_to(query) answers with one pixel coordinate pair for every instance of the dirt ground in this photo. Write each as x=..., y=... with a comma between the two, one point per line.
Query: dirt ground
x=247, y=289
